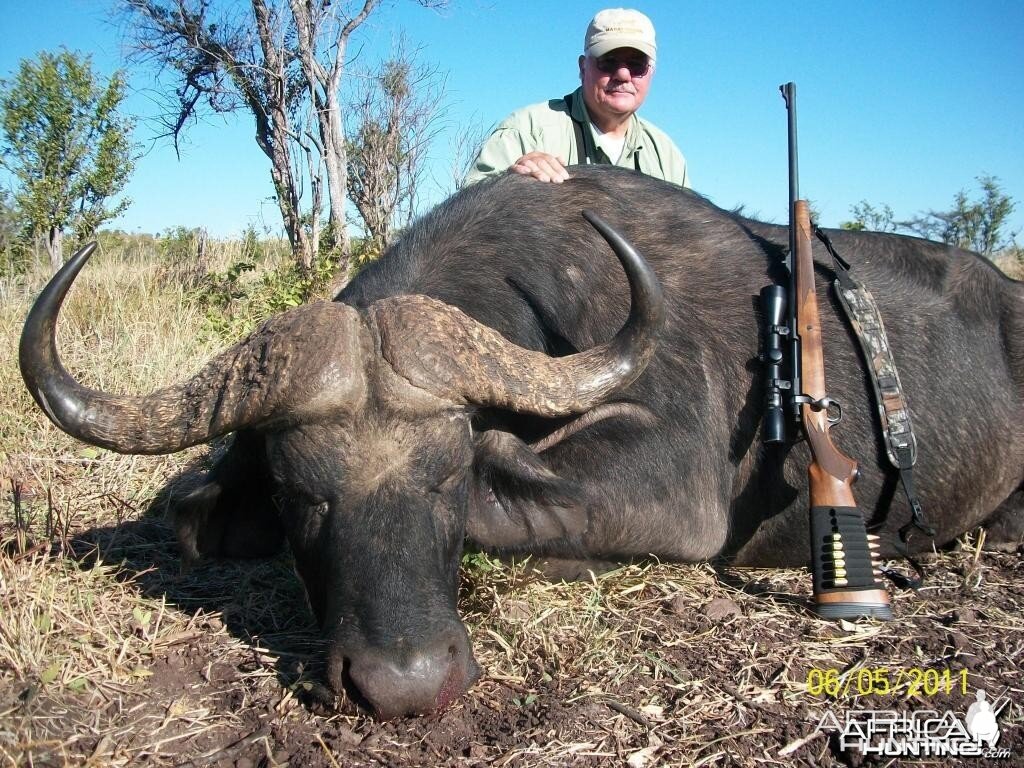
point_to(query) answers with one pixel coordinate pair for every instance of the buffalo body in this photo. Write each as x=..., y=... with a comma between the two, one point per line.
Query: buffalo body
x=389, y=437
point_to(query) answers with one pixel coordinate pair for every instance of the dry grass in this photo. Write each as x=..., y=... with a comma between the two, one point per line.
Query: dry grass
x=109, y=656
x=1011, y=262
x=78, y=633
x=682, y=665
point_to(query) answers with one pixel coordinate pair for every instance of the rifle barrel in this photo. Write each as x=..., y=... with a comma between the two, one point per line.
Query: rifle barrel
x=789, y=94
x=795, y=353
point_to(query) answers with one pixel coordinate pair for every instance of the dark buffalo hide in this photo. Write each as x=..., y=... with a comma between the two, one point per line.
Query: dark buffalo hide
x=389, y=432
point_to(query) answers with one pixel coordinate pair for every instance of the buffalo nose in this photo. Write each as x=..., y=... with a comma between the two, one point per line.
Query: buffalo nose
x=404, y=680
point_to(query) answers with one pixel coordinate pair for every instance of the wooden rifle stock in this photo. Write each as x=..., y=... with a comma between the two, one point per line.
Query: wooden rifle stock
x=832, y=473
x=843, y=557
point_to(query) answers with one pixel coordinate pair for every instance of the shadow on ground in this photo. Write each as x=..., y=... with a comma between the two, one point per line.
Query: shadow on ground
x=260, y=602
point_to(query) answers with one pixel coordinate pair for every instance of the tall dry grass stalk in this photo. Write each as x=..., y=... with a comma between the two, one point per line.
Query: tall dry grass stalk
x=66, y=630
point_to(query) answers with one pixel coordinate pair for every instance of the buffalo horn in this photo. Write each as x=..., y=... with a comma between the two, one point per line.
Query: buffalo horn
x=449, y=353
x=298, y=364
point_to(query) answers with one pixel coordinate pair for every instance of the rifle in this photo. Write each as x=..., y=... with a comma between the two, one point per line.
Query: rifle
x=843, y=557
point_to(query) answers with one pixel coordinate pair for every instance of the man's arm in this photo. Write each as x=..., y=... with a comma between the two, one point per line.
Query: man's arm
x=508, y=149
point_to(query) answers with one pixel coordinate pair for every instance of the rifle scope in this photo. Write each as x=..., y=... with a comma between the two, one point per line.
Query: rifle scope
x=773, y=310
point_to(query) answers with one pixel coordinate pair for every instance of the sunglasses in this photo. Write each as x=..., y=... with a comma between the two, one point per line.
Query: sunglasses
x=638, y=66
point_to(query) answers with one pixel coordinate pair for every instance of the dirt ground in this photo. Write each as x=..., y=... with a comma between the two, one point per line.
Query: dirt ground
x=651, y=664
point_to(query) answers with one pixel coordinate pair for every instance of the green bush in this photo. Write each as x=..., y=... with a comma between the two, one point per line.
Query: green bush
x=364, y=253
x=234, y=305
x=16, y=257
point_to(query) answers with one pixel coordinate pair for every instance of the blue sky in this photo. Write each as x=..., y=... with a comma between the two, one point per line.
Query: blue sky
x=903, y=103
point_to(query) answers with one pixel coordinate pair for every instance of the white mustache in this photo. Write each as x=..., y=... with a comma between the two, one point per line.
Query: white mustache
x=622, y=89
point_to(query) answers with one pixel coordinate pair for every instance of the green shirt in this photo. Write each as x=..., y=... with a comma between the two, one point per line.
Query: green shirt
x=547, y=127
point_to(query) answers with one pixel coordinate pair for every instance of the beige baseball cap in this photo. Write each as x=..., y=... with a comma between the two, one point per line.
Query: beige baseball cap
x=619, y=28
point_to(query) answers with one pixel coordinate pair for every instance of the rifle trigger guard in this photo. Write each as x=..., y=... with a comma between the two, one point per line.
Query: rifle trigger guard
x=833, y=408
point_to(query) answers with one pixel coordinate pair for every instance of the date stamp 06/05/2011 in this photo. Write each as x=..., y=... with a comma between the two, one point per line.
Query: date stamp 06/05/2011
x=882, y=681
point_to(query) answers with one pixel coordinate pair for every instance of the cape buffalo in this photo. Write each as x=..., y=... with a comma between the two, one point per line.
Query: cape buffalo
x=496, y=376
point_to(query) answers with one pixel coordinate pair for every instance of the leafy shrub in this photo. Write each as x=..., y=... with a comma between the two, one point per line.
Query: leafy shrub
x=15, y=258
x=364, y=253
x=235, y=306
x=183, y=257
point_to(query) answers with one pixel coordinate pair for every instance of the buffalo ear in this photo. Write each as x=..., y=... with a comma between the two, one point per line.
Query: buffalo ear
x=198, y=530
x=518, y=501
x=218, y=520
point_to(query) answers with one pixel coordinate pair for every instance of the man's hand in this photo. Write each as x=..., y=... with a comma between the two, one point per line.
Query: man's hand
x=541, y=166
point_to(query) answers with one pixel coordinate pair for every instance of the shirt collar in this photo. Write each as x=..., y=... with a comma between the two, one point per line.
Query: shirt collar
x=634, y=137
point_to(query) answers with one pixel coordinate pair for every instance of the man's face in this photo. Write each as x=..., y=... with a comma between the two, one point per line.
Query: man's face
x=616, y=84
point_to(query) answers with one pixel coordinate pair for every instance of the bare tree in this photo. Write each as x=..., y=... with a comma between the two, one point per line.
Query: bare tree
x=283, y=62
x=315, y=23
x=392, y=123
x=463, y=149
x=226, y=62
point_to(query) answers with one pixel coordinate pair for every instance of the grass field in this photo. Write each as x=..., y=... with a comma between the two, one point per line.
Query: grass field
x=111, y=656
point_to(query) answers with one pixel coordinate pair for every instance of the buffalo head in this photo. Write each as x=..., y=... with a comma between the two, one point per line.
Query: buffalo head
x=359, y=446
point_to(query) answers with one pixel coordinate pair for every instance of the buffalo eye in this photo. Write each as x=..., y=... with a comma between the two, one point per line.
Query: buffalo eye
x=448, y=484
